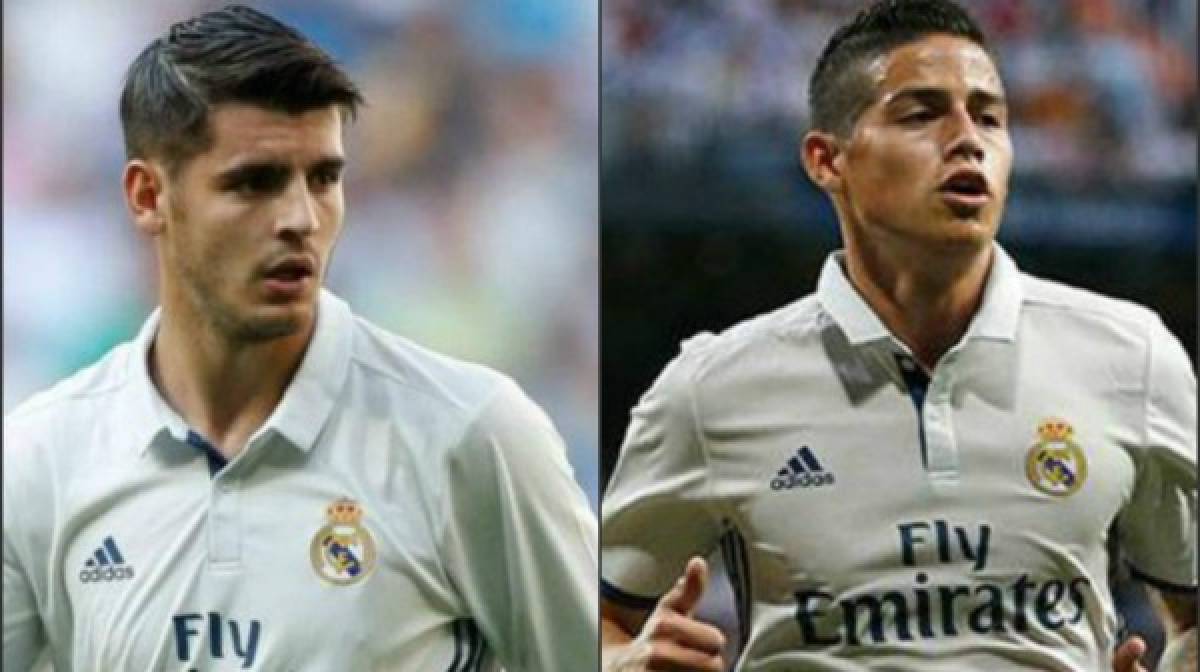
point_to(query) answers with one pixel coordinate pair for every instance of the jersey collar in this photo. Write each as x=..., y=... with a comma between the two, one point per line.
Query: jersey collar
x=309, y=400
x=996, y=319
x=306, y=405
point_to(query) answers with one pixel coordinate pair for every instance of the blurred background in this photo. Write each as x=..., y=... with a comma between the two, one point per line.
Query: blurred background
x=470, y=195
x=707, y=217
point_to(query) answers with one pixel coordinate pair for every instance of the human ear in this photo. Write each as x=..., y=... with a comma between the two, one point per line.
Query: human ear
x=143, y=182
x=822, y=158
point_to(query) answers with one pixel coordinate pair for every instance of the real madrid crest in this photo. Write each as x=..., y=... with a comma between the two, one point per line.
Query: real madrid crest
x=343, y=551
x=1055, y=464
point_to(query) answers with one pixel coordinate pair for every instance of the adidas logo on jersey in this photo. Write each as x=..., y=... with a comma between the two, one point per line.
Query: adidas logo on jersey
x=801, y=471
x=106, y=564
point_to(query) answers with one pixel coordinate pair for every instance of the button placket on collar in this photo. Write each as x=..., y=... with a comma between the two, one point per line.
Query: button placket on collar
x=224, y=524
x=224, y=520
x=940, y=441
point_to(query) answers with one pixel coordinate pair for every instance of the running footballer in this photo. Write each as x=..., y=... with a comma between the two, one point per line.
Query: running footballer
x=261, y=480
x=921, y=466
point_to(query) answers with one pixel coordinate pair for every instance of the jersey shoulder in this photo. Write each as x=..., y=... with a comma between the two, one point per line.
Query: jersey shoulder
x=458, y=420
x=708, y=353
x=75, y=397
x=1049, y=295
x=443, y=394
x=713, y=369
x=713, y=364
x=1101, y=321
x=395, y=361
x=44, y=435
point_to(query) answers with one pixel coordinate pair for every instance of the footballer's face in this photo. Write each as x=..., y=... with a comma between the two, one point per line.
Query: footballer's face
x=929, y=158
x=253, y=220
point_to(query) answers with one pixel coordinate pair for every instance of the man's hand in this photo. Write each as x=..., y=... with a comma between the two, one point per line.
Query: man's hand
x=1177, y=612
x=1127, y=657
x=671, y=639
x=1179, y=655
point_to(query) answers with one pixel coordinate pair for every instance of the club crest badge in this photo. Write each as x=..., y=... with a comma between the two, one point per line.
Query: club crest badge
x=343, y=551
x=1056, y=464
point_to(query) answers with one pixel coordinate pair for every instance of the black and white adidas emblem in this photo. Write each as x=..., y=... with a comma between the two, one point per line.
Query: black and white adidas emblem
x=801, y=471
x=106, y=564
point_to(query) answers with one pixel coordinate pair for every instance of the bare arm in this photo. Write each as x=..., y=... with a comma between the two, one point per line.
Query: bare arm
x=620, y=624
x=1178, y=614
x=1177, y=610
x=618, y=627
x=668, y=638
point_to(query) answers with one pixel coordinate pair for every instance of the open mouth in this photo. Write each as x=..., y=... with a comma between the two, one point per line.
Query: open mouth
x=965, y=191
x=289, y=273
x=966, y=182
x=289, y=276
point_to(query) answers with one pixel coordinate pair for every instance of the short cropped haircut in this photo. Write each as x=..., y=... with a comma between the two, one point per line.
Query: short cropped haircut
x=841, y=88
x=235, y=54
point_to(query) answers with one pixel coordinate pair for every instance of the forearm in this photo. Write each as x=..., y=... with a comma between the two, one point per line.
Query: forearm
x=612, y=634
x=1178, y=615
x=613, y=640
x=1177, y=610
x=616, y=637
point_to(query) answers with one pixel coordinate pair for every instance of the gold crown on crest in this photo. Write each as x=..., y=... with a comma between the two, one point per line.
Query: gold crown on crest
x=344, y=511
x=1055, y=429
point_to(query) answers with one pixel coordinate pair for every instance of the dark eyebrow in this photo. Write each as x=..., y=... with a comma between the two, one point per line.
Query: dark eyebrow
x=273, y=170
x=251, y=169
x=976, y=97
x=333, y=164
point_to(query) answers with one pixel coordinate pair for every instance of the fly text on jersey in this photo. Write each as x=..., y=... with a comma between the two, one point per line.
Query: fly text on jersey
x=927, y=610
x=242, y=642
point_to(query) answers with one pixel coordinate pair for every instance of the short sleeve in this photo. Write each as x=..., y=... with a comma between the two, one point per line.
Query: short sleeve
x=520, y=539
x=658, y=510
x=1157, y=527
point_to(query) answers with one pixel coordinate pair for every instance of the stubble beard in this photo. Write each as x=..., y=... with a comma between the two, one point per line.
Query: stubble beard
x=202, y=289
x=226, y=320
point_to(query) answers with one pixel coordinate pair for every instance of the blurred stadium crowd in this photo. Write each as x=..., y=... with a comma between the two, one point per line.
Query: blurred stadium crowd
x=1085, y=77
x=471, y=189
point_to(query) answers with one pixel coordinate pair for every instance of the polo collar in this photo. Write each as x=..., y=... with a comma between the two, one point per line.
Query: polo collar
x=306, y=405
x=314, y=391
x=996, y=320
x=157, y=420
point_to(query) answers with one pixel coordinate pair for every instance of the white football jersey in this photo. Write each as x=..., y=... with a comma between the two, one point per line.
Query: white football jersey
x=875, y=517
x=399, y=510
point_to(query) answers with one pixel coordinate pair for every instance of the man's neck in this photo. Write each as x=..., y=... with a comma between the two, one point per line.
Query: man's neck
x=926, y=299
x=224, y=389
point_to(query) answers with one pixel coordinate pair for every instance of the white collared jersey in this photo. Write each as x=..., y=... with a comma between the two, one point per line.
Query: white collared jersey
x=875, y=517
x=398, y=511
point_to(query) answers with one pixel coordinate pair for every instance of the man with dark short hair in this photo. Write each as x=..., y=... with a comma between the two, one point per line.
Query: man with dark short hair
x=262, y=480
x=925, y=465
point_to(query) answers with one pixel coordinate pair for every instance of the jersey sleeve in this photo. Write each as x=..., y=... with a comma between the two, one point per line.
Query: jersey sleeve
x=22, y=627
x=520, y=540
x=1158, y=526
x=24, y=637
x=658, y=510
